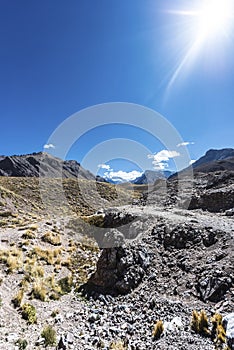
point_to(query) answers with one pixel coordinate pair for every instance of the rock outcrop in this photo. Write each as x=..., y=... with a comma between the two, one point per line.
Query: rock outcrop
x=119, y=271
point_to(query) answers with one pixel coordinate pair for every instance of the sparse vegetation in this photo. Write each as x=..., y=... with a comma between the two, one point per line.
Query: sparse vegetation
x=29, y=313
x=158, y=329
x=55, y=313
x=119, y=345
x=49, y=334
x=47, y=255
x=39, y=290
x=199, y=323
x=13, y=258
x=94, y=220
x=22, y=344
x=65, y=284
x=17, y=300
x=52, y=238
x=28, y=234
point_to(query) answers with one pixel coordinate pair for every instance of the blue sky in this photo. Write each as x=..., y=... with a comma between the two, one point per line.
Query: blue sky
x=59, y=57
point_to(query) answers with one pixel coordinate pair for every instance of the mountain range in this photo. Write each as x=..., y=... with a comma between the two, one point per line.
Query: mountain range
x=150, y=176
x=42, y=164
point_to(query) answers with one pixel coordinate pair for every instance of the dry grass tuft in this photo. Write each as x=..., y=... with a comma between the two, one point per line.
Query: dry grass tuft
x=52, y=238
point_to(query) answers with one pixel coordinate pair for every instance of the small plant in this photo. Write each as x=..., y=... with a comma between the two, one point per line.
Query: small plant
x=46, y=255
x=65, y=284
x=216, y=320
x=204, y=325
x=199, y=323
x=12, y=258
x=218, y=334
x=52, y=238
x=158, y=329
x=33, y=227
x=29, y=313
x=221, y=337
x=195, y=321
x=22, y=344
x=119, y=345
x=17, y=300
x=49, y=334
x=39, y=291
x=12, y=263
x=28, y=234
x=55, y=313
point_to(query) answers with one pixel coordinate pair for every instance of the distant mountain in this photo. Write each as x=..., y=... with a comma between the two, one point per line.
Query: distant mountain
x=213, y=181
x=116, y=180
x=150, y=176
x=215, y=160
x=32, y=165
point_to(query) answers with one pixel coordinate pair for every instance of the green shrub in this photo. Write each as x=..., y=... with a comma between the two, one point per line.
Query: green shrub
x=29, y=313
x=49, y=334
x=65, y=284
x=22, y=344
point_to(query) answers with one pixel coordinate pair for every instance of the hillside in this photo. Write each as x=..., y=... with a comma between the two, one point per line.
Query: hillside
x=42, y=164
x=100, y=268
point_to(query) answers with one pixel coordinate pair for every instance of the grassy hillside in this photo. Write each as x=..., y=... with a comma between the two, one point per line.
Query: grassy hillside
x=23, y=195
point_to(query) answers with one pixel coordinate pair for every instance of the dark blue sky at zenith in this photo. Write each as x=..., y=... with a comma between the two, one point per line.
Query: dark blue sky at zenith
x=59, y=57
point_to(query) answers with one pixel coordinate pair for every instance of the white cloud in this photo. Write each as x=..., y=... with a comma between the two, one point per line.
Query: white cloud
x=186, y=143
x=48, y=146
x=192, y=161
x=125, y=176
x=104, y=166
x=161, y=158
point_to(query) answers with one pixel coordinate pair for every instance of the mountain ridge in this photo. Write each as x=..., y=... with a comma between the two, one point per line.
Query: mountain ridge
x=43, y=164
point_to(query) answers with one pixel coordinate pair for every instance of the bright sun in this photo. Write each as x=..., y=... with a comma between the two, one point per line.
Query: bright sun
x=214, y=18
x=208, y=23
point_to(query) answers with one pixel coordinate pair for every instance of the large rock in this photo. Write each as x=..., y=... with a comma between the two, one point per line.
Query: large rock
x=214, y=200
x=213, y=288
x=119, y=270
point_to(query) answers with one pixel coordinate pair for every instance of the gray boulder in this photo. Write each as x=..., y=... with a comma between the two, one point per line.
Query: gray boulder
x=119, y=271
x=228, y=323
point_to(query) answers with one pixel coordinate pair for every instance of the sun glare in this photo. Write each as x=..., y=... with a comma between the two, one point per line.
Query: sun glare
x=214, y=18
x=207, y=24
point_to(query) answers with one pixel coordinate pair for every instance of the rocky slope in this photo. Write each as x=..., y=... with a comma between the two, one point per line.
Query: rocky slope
x=169, y=263
x=214, y=157
x=42, y=164
x=210, y=186
x=102, y=280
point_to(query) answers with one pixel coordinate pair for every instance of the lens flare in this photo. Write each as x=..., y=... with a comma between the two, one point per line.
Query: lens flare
x=214, y=18
x=208, y=23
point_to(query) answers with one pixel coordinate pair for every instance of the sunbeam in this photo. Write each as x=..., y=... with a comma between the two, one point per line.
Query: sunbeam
x=208, y=24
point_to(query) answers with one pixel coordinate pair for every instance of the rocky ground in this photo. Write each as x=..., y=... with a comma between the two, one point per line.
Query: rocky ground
x=102, y=281
x=172, y=262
